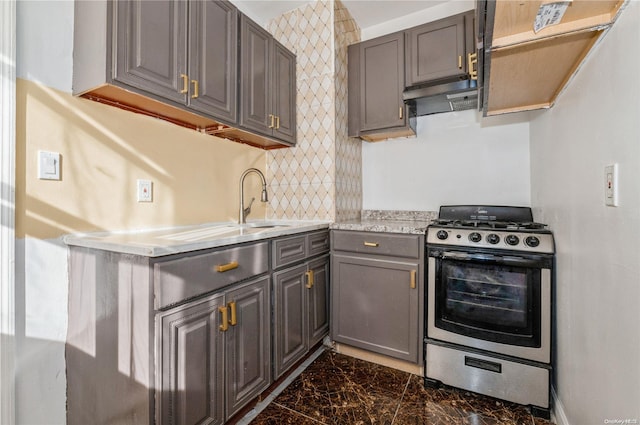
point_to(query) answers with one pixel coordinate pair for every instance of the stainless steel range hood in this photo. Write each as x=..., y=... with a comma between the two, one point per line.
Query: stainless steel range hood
x=445, y=97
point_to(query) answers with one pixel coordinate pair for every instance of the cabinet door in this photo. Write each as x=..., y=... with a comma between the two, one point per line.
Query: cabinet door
x=284, y=93
x=318, y=300
x=290, y=324
x=255, y=78
x=151, y=46
x=191, y=354
x=382, y=83
x=248, y=344
x=374, y=305
x=213, y=46
x=436, y=51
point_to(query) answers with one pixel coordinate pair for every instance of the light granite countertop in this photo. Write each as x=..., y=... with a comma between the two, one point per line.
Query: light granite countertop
x=175, y=240
x=408, y=222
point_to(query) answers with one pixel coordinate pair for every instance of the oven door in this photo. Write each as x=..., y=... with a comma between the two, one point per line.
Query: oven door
x=495, y=302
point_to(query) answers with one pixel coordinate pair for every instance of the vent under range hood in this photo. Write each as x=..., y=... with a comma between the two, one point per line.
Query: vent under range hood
x=446, y=97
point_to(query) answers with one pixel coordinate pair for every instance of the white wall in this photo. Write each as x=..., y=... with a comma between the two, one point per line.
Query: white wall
x=430, y=14
x=595, y=122
x=43, y=54
x=456, y=158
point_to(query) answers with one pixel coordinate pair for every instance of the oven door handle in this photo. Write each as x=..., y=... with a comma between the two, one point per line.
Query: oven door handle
x=488, y=258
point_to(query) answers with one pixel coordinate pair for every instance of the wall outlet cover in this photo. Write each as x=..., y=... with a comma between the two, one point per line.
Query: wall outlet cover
x=145, y=190
x=48, y=165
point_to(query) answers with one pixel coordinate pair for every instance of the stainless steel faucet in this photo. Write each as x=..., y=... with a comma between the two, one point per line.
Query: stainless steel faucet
x=244, y=212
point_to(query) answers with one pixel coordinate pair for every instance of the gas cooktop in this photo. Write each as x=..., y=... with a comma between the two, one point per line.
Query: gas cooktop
x=490, y=227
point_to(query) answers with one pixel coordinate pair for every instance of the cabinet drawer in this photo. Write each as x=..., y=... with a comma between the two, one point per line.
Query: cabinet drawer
x=187, y=277
x=407, y=246
x=289, y=250
x=317, y=243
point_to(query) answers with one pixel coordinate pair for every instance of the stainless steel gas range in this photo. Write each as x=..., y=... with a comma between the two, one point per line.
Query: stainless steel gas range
x=489, y=297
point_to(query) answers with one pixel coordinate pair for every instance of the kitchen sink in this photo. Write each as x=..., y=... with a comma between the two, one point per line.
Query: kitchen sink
x=265, y=225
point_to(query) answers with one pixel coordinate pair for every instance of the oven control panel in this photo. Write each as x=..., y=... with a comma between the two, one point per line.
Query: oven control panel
x=492, y=238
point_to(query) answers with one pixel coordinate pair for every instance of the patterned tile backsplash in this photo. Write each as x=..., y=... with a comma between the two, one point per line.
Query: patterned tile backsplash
x=321, y=177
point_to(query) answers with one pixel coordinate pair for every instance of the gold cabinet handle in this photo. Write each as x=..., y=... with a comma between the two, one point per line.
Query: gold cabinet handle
x=185, y=83
x=224, y=321
x=226, y=267
x=234, y=318
x=400, y=112
x=459, y=61
x=195, y=89
x=272, y=118
x=309, y=275
x=277, y=122
x=413, y=279
x=473, y=60
x=372, y=244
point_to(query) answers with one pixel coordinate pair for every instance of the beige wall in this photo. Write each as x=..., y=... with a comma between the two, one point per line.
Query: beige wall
x=104, y=151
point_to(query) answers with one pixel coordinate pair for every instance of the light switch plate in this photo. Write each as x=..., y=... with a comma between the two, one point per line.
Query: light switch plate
x=611, y=185
x=145, y=190
x=48, y=165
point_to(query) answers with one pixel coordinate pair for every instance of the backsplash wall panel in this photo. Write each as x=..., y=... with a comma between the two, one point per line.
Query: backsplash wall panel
x=309, y=181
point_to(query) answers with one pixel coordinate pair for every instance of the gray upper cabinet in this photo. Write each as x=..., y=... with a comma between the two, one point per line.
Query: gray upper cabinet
x=183, y=51
x=151, y=46
x=436, y=50
x=376, y=81
x=267, y=84
x=213, y=59
x=440, y=50
x=178, y=60
x=376, y=295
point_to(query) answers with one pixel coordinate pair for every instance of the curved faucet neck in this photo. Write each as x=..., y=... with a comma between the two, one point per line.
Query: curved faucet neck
x=243, y=212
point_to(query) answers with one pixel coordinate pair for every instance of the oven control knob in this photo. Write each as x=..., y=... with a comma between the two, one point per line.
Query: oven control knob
x=442, y=234
x=493, y=239
x=532, y=241
x=512, y=240
x=475, y=237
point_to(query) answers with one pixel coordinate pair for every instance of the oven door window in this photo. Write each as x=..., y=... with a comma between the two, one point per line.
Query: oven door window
x=489, y=301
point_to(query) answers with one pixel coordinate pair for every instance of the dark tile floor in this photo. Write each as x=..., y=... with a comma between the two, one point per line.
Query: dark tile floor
x=336, y=389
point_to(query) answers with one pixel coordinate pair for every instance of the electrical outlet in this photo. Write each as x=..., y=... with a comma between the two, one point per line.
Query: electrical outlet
x=611, y=185
x=145, y=191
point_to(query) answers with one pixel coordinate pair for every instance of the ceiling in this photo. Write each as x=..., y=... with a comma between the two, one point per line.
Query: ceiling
x=367, y=13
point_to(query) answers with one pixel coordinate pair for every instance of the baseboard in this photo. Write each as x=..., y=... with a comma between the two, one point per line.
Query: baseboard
x=557, y=414
x=378, y=359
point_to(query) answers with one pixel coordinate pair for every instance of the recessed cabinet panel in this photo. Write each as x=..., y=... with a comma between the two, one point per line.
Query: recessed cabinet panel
x=375, y=306
x=248, y=345
x=382, y=82
x=213, y=58
x=256, y=76
x=151, y=46
x=284, y=92
x=191, y=360
x=268, y=84
x=318, y=300
x=436, y=51
x=290, y=334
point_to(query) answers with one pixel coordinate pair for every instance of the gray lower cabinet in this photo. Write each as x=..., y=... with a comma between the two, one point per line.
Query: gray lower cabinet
x=376, y=294
x=218, y=347
x=183, y=339
x=301, y=295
